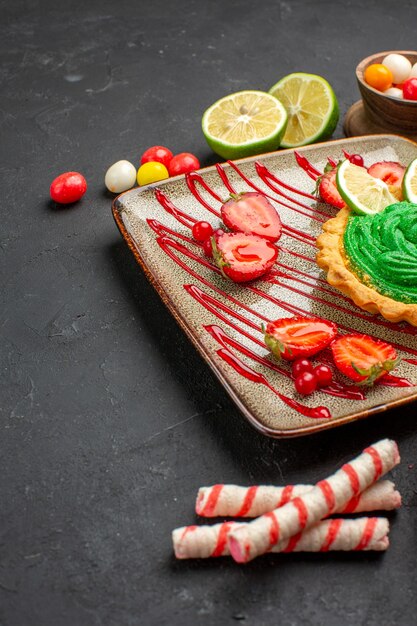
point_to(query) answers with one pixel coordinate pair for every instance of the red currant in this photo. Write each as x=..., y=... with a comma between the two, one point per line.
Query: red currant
x=324, y=375
x=356, y=159
x=202, y=231
x=306, y=383
x=301, y=365
x=207, y=247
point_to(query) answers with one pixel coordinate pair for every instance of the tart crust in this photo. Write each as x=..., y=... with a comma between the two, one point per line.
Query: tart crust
x=331, y=258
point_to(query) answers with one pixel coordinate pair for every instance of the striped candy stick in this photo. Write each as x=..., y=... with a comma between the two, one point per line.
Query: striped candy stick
x=235, y=501
x=259, y=536
x=367, y=533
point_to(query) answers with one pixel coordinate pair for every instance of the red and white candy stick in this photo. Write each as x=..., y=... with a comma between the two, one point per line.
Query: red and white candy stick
x=366, y=533
x=250, y=540
x=235, y=501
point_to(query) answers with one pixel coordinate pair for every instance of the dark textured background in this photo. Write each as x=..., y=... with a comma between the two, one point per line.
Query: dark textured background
x=110, y=419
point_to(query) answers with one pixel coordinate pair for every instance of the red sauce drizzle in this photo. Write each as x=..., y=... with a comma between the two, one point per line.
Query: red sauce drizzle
x=319, y=412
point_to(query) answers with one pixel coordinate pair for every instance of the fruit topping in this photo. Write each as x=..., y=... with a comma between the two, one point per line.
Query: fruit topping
x=392, y=173
x=301, y=365
x=242, y=257
x=362, y=358
x=323, y=374
x=252, y=213
x=362, y=192
x=306, y=383
x=327, y=189
x=202, y=231
x=293, y=337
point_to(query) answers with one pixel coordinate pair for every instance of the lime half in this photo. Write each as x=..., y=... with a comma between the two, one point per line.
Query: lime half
x=244, y=123
x=362, y=192
x=410, y=182
x=312, y=107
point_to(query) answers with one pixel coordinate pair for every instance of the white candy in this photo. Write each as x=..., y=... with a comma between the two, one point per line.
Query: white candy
x=120, y=176
x=400, y=67
x=413, y=73
x=394, y=91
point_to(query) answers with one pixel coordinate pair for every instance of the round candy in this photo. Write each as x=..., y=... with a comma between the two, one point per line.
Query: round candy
x=151, y=172
x=410, y=89
x=120, y=176
x=157, y=153
x=413, y=73
x=394, y=91
x=183, y=163
x=68, y=187
x=399, y=66
x=378, y=76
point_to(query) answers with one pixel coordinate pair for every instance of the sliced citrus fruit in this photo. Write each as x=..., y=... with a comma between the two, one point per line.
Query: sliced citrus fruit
x=410, y=183
x=312, y=107
x=244, y=123
x=362, y=192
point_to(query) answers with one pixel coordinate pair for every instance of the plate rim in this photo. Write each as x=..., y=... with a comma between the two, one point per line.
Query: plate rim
x=121, y=220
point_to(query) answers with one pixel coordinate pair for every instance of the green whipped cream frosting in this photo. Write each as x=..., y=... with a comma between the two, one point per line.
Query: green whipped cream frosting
x=382, y=250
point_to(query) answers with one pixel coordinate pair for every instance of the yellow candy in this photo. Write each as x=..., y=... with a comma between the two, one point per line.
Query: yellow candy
x=151, y=172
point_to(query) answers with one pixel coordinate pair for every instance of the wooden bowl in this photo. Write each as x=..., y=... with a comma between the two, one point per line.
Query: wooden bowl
x=392, y=113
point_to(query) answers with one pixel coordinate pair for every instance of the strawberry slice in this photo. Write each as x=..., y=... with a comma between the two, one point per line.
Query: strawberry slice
x=362, y=358
x=293, y=337
x=242, y=257
x=326, y=189
x=250, y=212
x=392, y=173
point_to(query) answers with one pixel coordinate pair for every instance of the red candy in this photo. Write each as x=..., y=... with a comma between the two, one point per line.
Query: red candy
x=68, y=188
x=160, y=154
x=183, y=163
x=410, y=89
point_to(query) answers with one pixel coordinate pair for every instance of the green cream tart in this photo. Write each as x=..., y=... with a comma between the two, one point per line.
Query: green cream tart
x=382, y=250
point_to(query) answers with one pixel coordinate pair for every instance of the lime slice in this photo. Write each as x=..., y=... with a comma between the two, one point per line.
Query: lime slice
x=244, y=123
x=312, y=107
x=410, y=182
x=362, y=192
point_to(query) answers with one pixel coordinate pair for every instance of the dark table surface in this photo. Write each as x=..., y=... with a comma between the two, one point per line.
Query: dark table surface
x=110, y=419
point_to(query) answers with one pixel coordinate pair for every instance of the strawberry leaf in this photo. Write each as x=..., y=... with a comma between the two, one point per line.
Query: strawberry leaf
x=374, y=372
x=274, y=345
x=218, y=257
